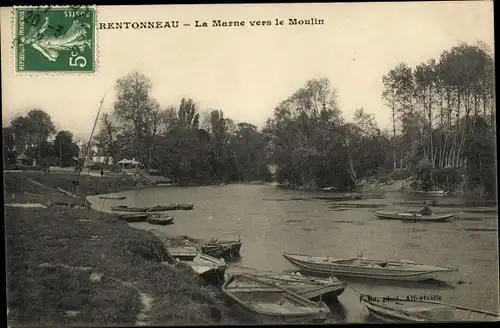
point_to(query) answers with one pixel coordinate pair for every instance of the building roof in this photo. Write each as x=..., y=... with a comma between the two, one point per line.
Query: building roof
x=22, y=156
x=128, y=161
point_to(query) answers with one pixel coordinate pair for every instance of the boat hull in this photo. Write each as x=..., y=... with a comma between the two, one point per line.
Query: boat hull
x=161, y=221
x=412, y=217
x=369, y=272
x=273, y=320
x=262, y=302
x=204, y=266
x=227, y=249
x=129, y=209
x=113, y=197
x=311, y=291
x=185, y=207
x=383, y=316
x=217, y=251
x=235, y=247
x=134, y=217
x=425, y=311
x=163, y=208
x=430, y=193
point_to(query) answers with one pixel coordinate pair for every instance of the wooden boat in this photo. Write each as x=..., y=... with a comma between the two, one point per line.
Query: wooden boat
x=308, y=287
x=422, y=311
x=207, y=266
x=162, y=208
x=113, y=197
x=185, y=207
x=160, y=219
x=125, y=208
x=331, y=189
x=405, y=216
x=186, y=253
x=343, y=197
x=203, y=264
x=269, y=303
x=217, y=251
x=366, y=268
x=136, y=217
x=429, y=192
x=233, y=245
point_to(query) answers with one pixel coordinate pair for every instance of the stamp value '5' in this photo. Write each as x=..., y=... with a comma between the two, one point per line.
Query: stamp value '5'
x=55, y=39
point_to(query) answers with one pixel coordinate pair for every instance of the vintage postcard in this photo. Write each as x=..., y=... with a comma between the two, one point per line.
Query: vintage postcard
x=250, y=164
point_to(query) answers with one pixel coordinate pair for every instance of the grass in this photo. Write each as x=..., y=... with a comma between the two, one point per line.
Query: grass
x=52, y=252
x=89, y=185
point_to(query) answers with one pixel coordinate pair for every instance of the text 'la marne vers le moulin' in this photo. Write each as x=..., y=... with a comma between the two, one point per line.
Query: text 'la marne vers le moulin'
x=214, y=23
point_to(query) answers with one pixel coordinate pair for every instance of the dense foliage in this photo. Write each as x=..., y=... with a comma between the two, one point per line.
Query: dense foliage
x=30, y=134
x=443, y=132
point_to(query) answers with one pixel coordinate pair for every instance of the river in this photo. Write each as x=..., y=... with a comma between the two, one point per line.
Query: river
x=271, y=221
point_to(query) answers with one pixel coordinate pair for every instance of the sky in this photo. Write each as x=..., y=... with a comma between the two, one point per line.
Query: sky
x=247, y=71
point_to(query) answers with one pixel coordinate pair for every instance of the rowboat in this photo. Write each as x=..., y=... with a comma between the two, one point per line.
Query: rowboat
x=207, y=266
x=204, y=265
x=308, y=287
x=429, y=192
x=113, y=197
x=412, y=216
x=269, y=303
x=217, y=251
x=329, y=189
x=136, y=217
x=162, y=208
x=422, y=311
x=125, y=208
x=366, y=268
x=185, y=207
x=186, y=253
x=233, y=245
x=160, y=219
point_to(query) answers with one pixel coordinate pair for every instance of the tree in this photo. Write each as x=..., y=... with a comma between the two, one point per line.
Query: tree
x=106, y=138
x=9, y=145
x=451, y=113
x=65, y=149
x=34, y=129
x=250, y=153
x=136, y=108
x=187, y=115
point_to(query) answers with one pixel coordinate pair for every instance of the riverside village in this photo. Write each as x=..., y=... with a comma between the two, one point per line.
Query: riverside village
x=178, y=214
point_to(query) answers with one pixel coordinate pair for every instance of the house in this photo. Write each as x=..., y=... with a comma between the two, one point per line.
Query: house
x=128, y=163
x=102, y=159
x=22, y=160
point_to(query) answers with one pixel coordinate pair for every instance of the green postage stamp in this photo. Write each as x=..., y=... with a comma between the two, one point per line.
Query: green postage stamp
x=55, y=39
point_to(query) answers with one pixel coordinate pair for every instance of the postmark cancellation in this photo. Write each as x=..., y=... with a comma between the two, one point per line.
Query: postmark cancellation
x=55, y=39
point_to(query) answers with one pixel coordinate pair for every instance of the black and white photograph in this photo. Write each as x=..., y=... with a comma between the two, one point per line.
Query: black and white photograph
x=250, y=164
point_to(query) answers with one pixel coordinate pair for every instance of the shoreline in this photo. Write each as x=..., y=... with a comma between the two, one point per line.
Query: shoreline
x=69, y=239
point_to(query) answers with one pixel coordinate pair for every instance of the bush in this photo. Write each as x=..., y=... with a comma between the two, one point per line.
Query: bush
x=11, y=166
x=400, y=174
x=383, y=179
x=30, y=168
x=104, y=166
x=156, y=173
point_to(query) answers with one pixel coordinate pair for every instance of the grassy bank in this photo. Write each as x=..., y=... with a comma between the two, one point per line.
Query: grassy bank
x=79, y=267
x=88, y=185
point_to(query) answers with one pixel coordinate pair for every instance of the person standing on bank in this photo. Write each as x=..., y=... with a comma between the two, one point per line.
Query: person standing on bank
x=102, y=172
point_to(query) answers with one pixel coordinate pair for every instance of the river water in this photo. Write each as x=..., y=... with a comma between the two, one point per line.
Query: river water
x=271, y=221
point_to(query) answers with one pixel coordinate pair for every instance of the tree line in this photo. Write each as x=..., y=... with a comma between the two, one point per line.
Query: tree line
x=445, y=108
x=30, y=134
x=443, y=115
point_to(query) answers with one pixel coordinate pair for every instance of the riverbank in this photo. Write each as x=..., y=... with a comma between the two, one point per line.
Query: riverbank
x=83, y=267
